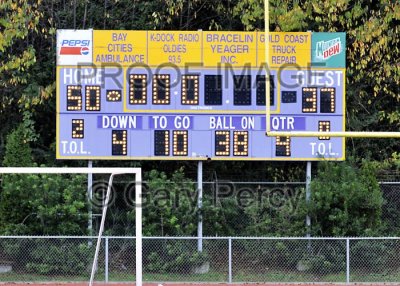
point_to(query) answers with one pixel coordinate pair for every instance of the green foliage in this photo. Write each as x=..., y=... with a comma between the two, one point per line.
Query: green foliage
x=264, y=253
x=43, y=204
x=38, y=204
x=346, y=201
x=18, y=152
x=18, y=19
x=41, y=256
x=280, y=211
x=222, y=217
x=171, y=208
x=315, y=257
x=377, y=254
x=19, y=22
x=195, y=14
x=175, y=256
x=55, y=259
x=171, y=205
x=284, y=15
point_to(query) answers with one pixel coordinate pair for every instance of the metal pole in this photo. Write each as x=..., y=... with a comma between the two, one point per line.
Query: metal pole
x=308, y=196
x=199, y=206
x=347, y=260
x=138, y=222
x=90, y=198
x=106, y=259
x=230, y=260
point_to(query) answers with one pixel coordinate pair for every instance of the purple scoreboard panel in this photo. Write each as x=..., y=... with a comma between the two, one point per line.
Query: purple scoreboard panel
x=196, y=95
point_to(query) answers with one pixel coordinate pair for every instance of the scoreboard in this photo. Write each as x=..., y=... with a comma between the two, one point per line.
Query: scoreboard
x=184, y=95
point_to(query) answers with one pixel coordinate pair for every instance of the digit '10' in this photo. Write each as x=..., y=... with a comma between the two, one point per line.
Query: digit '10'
x=179, y=145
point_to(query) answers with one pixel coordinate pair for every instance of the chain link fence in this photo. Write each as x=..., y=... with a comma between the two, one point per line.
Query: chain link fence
x=391, y=207
x=227, y=259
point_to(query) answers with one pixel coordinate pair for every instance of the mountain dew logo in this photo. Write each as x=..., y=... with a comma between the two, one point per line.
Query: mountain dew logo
x=327, y=49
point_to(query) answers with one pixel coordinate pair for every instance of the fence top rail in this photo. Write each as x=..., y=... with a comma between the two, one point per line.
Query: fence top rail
x=254, y=183
x=389, y=183
x=56, y=170
x=196, y=238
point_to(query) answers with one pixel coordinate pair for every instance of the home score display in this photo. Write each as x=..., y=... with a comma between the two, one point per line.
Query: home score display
x=198, y=95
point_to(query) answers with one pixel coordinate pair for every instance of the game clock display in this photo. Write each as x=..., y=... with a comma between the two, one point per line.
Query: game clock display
x=140, y=114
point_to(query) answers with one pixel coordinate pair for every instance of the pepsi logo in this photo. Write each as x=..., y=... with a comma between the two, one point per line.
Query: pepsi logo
x=84, y=51
x=75, y=47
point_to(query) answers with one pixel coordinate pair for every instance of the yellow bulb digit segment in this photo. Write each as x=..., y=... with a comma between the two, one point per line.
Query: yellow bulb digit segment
x=282, y=146
x=180, y=142
x=161, y=142
x=309, y=102
x=222, y=143
x=190, y=89
x=113, y=95
x=240, y=143
x=74, y=97
x=93, y=95
x=77, y=128
x=324, y=126
x=119, y=142
x=137, y=89
x=161, y=89
x=328, y=97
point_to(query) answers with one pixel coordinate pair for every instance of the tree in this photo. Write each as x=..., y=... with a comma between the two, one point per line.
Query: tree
x=285, y=15
x=43, y=205
x=171, y=205
x=346, y=200
x=18, y=23
x=18, y=152
x=39, y=204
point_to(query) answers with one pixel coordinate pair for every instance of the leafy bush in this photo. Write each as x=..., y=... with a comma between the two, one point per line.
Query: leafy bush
x=346, y=200
x=18, y=152
x=43, y=204
x=45, y=256
x=170, y=205
x=15, y=251
x=260, y=255
x=325, y=257
x=175, y=257
x=61, y=258
x=378, y=256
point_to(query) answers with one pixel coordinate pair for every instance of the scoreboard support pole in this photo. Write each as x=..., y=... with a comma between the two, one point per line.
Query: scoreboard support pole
x=138, y=230
x=308, y=197
x=90, y=197
x=200, y=206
